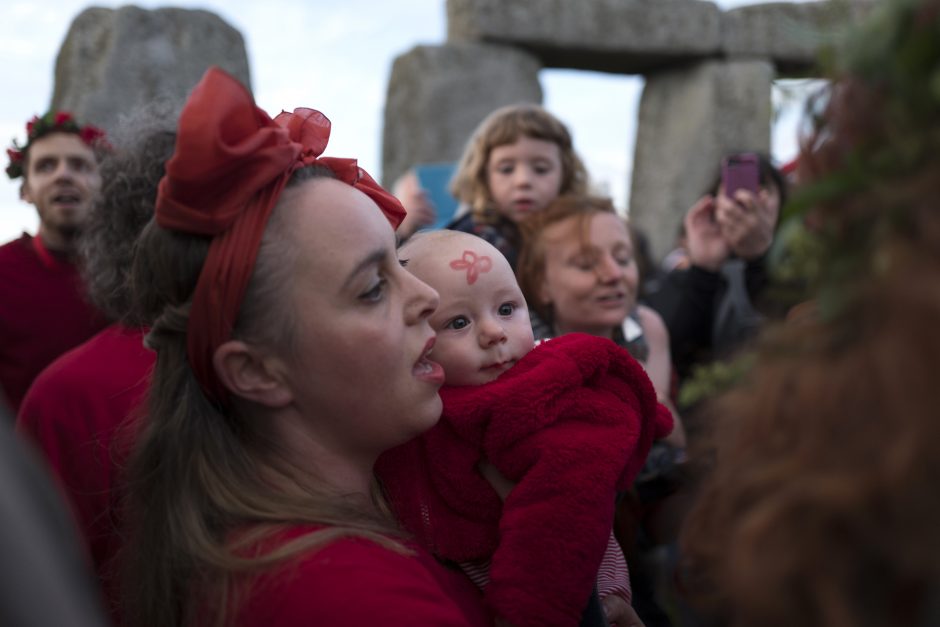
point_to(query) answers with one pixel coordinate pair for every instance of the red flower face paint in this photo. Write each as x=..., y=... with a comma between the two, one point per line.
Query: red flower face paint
x=473, y=264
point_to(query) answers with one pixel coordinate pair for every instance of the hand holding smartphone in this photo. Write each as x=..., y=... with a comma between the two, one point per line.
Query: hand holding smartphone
x=740, y=171
x=746, y=224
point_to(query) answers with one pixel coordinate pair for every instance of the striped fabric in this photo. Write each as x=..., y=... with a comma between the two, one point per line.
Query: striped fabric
x=612, y=578
x=478, y=572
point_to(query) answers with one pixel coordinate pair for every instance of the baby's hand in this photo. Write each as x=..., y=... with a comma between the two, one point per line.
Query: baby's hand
x=501, y=484
x=619, y=612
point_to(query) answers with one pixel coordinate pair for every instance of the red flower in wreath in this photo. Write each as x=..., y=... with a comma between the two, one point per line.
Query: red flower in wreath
x=91, y=134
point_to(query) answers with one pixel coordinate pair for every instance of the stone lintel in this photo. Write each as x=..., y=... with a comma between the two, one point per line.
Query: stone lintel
x=645, y=36
x=622, y=36
x=790, y=34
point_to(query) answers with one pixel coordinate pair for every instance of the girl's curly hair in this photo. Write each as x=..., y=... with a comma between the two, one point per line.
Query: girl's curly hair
x=506, y=126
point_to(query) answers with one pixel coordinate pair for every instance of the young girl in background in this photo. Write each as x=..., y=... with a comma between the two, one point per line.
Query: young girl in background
x=518, y=160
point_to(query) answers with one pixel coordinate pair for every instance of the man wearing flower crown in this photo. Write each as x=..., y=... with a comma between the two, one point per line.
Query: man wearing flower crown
x=43, y=312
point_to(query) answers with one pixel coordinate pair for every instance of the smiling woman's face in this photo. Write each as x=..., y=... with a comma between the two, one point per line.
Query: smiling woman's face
x=590, y=279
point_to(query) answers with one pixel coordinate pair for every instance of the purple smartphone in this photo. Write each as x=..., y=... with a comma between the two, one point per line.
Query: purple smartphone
x=740, y=171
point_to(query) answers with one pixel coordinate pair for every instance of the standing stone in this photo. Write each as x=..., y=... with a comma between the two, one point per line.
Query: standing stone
x=437, y=95
x=688, y=120
x=114, y=60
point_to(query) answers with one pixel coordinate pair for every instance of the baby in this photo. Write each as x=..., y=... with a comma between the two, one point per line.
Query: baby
x=570, y=422
x=482, y=321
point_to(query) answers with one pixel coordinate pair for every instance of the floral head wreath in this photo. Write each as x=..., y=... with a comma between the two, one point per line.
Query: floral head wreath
x=52, y=122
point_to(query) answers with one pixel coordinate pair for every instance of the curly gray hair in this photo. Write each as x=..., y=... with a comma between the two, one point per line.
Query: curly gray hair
x=143, y=141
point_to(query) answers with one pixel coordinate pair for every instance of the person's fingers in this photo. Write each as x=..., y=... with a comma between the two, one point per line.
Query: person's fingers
x=702, y=207
x=700, y=219
x=421, y=208
x=726, y=201
x=729, y=213
x=706, y=244
x=427, y=214
x=746, y=199
x=763, y=201
x=733, y=229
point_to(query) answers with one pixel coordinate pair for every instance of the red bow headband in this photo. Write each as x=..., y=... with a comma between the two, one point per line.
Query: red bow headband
x=230, y=165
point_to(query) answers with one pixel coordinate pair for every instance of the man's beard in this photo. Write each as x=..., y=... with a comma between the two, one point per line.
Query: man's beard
x=71, y=231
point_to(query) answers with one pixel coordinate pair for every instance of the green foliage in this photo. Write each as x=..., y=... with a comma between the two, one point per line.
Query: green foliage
x=855, y=209
x=711, y=380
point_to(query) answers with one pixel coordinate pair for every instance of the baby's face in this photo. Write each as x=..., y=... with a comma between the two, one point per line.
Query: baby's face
x=482, y=322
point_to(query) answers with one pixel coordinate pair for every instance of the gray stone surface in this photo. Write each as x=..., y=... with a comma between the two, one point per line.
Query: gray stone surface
x=624, y=36
x=688, y=120
x=115, y=59
x=789, y=33
x=438, y=94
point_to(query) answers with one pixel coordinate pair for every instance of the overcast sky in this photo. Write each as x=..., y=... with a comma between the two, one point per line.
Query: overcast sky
x=332, y=56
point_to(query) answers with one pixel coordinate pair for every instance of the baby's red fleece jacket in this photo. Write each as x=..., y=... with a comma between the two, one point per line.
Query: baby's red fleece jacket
x=571, y=423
